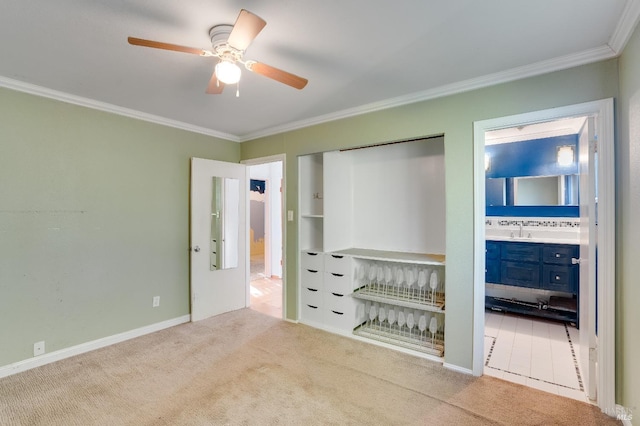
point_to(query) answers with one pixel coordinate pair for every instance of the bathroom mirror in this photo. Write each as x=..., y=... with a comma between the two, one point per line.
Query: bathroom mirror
x=533, y=191
x=225, y=213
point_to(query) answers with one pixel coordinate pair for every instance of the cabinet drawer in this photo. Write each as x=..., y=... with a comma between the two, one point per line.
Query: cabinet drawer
x=520, y=274
x=337, y=264
x=311, y=314
x=311, y=260
x=342, y=312
x=559, y=278
x=559, y=254
x=492, y=250
x=338, y=283
x=311, y=296
x=523, y=252
x=311, y=278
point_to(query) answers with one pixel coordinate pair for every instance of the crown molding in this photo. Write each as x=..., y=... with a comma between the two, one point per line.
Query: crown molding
x=539, y=68
x=33, y=89
x=626, y=26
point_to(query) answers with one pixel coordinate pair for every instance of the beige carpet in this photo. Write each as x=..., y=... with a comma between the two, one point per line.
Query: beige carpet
x=245, y=368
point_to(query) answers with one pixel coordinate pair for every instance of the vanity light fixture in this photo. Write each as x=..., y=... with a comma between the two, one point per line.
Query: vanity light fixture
x=565, y=155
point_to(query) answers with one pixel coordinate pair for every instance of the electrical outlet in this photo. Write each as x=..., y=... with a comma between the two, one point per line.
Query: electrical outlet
x=38, y=348
x=156, y=301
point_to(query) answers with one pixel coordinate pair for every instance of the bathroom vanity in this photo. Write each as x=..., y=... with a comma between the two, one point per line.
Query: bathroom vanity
x=532, y=267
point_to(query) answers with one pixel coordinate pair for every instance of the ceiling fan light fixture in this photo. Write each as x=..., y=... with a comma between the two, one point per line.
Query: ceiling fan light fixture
x=228, y=72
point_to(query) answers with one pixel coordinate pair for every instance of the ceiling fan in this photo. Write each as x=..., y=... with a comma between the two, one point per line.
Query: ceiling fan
x=228, y=45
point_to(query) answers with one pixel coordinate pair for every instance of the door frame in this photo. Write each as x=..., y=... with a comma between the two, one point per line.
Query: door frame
x=603, y=110
x=264, y=160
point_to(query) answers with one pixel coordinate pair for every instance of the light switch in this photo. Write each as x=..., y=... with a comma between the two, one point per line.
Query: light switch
x=290, y=215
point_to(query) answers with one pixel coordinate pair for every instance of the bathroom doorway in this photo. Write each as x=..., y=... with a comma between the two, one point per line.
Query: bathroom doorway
x=507, y=359
x=266, y=236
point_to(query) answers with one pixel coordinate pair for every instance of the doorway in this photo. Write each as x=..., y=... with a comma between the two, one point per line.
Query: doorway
x=266, y=236
x=602, y=112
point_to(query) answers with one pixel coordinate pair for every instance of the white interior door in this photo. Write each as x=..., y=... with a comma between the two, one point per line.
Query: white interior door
x=218, y=261
x=588, y=259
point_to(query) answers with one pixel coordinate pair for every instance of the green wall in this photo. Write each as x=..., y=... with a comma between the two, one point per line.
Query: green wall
x=94, y=222
x=628, y=228
x=452, y=116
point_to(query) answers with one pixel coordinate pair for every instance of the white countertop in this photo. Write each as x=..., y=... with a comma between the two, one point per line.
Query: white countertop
x=548, y=240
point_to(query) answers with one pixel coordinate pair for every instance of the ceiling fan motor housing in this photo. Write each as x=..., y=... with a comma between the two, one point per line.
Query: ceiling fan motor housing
x=219, y=35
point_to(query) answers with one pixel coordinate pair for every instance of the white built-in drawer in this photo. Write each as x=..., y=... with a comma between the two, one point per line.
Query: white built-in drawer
x=311, y=314
x=338, y=283
x=311, y=278
x=311, y=296
x=342, y=313
x=311, y=260
x=337, y=264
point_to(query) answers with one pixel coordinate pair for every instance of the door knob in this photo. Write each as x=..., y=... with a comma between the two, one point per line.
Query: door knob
x=196, y=249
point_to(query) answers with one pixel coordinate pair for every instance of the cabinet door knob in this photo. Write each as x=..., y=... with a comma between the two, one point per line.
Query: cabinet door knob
x=557, y=254
x=575, y=261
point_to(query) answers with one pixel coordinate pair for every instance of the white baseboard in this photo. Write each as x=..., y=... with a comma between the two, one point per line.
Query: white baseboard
x=27, y=364
x=458, y=368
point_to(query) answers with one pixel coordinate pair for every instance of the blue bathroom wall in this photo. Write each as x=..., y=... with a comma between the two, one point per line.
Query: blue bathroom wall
x=536, y=157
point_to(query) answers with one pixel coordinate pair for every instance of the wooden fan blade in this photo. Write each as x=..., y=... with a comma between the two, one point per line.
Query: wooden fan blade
x=245, y=29
x=215, y=86
x=165, y=46
x=278, y=75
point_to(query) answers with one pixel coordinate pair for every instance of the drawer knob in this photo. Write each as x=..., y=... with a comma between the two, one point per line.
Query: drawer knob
x=312, y=307
x=336, y=256
x=338, y=313
x=337, y=275
x=557, y=277
x=313, y=271
x=312, y=289
x=557, y=254
x=338, y=294
x=312, y=254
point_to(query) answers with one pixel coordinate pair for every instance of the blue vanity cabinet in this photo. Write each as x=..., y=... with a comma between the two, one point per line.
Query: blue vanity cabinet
x=538, y=266
x=492, y=263
x=558, y=271
x=520, y=265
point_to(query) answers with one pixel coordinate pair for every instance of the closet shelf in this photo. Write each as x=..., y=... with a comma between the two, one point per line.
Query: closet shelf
x=414, y=340
x=394, y=256
x=397, y=297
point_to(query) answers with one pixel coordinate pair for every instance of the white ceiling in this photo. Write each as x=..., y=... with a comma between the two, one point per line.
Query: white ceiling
x=359, y=55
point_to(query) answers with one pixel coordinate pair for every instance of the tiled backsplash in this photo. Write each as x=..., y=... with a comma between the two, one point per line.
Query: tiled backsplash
x=541, y=223
x=534, y=229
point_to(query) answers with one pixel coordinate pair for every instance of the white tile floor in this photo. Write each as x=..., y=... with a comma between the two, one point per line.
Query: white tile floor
x=533, y=352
